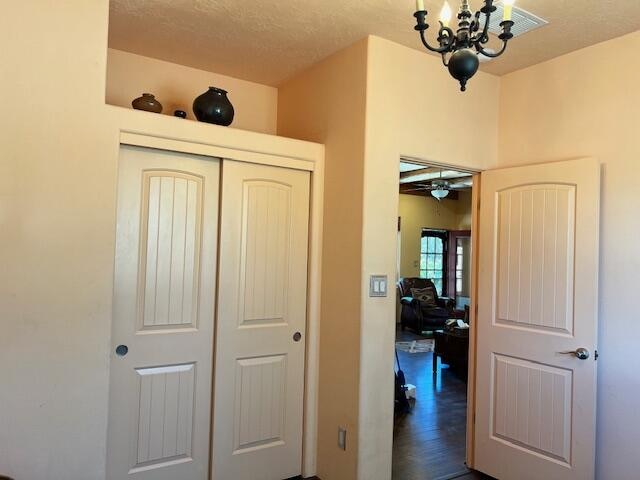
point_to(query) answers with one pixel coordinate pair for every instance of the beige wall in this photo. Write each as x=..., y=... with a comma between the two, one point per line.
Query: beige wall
x=405, y=115
x=58, y=196
x=418, y=212
x=413, y=110
x=176, y=86
x=582, y=104
x=58, y=159
x=57, y=218
x=326, y=104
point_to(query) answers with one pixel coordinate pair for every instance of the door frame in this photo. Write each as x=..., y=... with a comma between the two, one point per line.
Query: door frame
x=452, y=240
x=235, y=149
x=473, y=303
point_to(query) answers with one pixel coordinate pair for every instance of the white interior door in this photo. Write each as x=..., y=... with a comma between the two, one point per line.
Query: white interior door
x=537, y=299
x=162, y=339
x=260, y=342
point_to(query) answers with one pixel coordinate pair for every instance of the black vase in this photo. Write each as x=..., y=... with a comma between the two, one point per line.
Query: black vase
x=148, y=103
x=213, y=106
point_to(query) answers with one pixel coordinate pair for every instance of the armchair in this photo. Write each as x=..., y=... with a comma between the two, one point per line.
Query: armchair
x=418, y=315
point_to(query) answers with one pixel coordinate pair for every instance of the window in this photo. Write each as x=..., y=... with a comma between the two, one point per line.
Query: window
x=459, y=267
x=460, y=246
x=433, y=257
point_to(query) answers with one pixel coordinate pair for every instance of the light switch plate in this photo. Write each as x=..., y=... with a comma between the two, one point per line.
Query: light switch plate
x=378, y=286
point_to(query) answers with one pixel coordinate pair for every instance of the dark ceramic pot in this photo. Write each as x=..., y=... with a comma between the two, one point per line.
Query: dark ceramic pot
x=213, y=106
x=148, y=103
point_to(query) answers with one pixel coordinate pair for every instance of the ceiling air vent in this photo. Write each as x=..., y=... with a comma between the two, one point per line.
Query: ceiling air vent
x=523, y=21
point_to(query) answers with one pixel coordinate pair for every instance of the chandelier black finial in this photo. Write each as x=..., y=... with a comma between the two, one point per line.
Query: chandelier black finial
x=468, y=41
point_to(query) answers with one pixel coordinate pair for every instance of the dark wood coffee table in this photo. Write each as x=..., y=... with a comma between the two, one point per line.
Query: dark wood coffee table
x=452, y=346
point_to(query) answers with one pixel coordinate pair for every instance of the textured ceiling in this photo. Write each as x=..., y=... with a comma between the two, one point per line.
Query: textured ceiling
x=267, y=41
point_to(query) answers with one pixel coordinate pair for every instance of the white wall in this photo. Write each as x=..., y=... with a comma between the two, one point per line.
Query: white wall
x=177, y=86
x=586, y=104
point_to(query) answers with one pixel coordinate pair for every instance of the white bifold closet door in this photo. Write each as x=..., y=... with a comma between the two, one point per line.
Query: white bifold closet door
x=260, y=347
x=163, y=319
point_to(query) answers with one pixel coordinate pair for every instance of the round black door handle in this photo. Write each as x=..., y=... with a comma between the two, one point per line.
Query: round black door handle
x=297, y=336
x=122, y=350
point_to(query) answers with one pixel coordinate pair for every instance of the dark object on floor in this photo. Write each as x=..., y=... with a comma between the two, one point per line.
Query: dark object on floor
x=213, y=106
x=421, y=315
x=2, y=477
x=402, y=404
x=180, y=114
x=452, y=346
x=148, y=103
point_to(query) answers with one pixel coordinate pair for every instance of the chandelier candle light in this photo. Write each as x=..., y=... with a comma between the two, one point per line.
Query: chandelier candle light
x=460, y=50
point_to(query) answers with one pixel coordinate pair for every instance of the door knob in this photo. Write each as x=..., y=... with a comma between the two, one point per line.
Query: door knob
x=581, y=353
x=297, y=336
x=122, y=350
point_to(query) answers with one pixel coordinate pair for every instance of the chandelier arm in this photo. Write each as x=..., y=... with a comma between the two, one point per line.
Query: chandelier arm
x=505, y=36
x=443, y=47
x=486, y=53
x=488, y=9
x=475, y=23
x=445, y=62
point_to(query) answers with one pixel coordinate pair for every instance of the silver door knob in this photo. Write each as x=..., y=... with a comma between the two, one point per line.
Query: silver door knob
x=581, y=353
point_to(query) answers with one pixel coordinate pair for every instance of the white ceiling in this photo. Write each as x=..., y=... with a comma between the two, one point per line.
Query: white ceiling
x=267, y=41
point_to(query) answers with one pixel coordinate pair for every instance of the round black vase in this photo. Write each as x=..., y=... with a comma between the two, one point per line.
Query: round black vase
x=213, y=106
x=148, y=103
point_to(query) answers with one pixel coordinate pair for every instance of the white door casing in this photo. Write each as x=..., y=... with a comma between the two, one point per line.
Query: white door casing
x=259, y=380
x=537, y=296
x=164, y=293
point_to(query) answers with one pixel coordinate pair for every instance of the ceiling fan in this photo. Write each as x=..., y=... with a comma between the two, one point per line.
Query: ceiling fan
x=440, y=188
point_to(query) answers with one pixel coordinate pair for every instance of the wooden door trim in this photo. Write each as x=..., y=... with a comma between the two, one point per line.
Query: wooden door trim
x=312, y=161
x=454, y=235
x=473, y=314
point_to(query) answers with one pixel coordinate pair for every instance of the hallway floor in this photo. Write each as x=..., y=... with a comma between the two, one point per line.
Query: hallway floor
x=429, y=442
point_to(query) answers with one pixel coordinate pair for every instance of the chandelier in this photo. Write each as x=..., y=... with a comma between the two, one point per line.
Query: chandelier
x=460, y=50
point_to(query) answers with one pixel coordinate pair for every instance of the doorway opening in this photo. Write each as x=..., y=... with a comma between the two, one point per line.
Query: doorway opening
x=432, y=325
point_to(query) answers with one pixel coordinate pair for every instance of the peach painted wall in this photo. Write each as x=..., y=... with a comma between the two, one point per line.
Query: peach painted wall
x=586, y=104
x=57, y=191
x=414, y=109
x=176, y=86
x=59, y=146
x=326, y=104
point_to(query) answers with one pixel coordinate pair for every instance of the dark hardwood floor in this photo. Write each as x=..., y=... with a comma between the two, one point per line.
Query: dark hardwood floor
x=429, y=442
